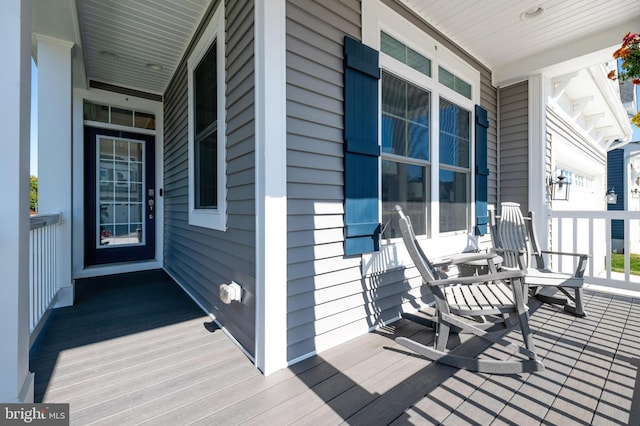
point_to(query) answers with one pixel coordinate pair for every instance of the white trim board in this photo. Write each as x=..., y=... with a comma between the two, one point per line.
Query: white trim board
x=271, y=185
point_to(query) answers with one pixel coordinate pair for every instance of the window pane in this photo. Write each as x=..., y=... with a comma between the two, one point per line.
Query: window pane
x=392, y=47
x=453, y=82
x=123, y=117
x=95, y=112
x=455, y=129
x=453, y=201
x=145, y=121
x=405, y=118
x=418, y=62
x=205, y=91
x=206, y=154
x=404, y=54
x=404, y=184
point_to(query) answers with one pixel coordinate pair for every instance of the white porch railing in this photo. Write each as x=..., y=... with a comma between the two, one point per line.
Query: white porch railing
x=590, y=232
x=42, y=267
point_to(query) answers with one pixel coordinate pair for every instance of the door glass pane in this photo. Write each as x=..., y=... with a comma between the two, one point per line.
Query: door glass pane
x=120, y=192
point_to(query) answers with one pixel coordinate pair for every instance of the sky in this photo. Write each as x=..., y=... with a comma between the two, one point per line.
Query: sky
x=34, y=119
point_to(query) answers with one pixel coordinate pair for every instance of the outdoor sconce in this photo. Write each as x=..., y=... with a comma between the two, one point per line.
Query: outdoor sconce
x=559, y=187
x=612, y=197
x=635, y=193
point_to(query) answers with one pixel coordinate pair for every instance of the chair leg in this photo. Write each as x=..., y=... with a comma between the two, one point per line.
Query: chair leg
x=442, y=335
x=578, y=309
x=523, y=318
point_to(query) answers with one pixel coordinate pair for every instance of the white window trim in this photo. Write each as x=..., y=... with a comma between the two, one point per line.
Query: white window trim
x=210, y=218
x=378, y=17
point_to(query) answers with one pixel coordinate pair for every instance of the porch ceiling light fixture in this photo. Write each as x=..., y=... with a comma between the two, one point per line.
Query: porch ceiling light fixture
x=612, y=197
x=532, y=13
x=154, y=67
x=559, y=187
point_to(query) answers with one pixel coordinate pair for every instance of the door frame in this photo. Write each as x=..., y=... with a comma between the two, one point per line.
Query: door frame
x=126, y=101
x=108, y=254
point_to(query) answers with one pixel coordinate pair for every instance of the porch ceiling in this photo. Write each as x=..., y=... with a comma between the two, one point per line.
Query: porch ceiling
x=120, y=41
x=512, y=46
x=134, y=44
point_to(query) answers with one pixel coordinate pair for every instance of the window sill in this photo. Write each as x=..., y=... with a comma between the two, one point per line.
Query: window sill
x=211, y=219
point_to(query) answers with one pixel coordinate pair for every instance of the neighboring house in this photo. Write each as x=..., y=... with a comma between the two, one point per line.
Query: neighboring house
x=265, y=143
x=623, y=173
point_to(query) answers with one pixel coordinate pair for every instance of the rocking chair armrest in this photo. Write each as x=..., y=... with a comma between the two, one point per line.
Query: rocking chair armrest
x=459, y=258
x=476, y=279
x=506, y=250
x=562, y=253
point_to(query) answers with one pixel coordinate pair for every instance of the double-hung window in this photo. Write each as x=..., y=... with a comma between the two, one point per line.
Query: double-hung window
x=405, y=152
x=207, y=171
x=426, y=142
x=455, y=145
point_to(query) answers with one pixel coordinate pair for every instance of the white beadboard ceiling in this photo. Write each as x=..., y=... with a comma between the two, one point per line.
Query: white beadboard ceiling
x=141, y=32
x=494, y=32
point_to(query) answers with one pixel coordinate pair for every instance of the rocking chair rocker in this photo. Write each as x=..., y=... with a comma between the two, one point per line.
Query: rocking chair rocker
x=471, y=297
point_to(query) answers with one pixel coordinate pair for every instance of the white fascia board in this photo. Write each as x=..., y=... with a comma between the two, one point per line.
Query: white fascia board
x=271, y=185
x=612, y=99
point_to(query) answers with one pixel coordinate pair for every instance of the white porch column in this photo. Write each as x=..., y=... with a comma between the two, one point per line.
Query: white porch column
x=54, y=150
x=537, y=156
x=271, y=185
x=16, y=382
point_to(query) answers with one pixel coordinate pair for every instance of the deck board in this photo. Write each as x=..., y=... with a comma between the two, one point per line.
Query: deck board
x=134, y=349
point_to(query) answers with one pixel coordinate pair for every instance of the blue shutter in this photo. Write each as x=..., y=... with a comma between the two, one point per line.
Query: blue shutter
x=361, y=149
x=615, y=179
x=482, y=171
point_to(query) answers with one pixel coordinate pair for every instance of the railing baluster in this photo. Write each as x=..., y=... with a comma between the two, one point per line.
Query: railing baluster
x=596, y=225
x=42, y=266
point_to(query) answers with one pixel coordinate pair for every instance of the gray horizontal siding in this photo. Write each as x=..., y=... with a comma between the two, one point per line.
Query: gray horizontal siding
x=315, y=257
x=329, y=301
x=514, y=144
x=201, y=259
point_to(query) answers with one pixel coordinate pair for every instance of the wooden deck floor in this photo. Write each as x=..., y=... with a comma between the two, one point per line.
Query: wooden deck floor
x=135, y=350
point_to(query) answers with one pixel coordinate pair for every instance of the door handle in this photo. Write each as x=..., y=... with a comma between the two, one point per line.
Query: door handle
x=151, y=202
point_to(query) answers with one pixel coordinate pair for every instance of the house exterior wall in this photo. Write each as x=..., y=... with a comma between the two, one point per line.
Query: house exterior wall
x=333, y=298
x=514, y=140
x=584, y=164
x=202, y=259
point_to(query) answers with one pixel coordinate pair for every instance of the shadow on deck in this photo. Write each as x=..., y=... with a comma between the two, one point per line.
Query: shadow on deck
x=135, y=349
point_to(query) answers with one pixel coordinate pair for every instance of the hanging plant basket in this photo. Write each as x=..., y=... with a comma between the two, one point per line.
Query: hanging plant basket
x=629, y=54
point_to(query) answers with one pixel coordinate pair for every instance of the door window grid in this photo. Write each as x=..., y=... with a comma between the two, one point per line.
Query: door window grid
x=120, y=188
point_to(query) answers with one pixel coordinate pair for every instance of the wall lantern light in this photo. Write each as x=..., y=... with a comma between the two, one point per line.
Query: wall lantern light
x=559, y=187
x=635, y=193
x=612, y=197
